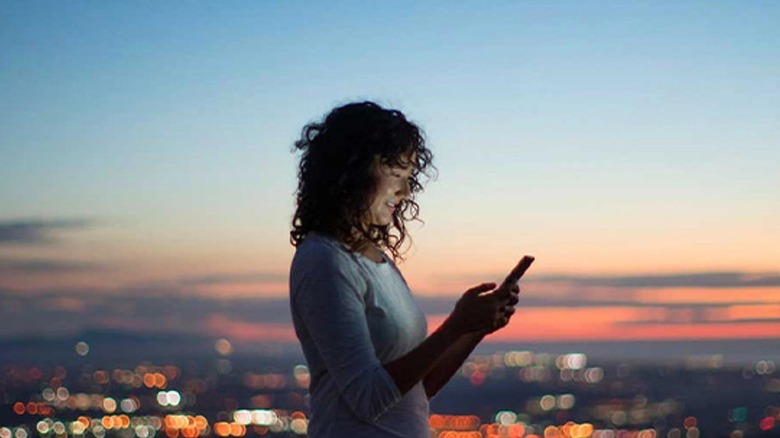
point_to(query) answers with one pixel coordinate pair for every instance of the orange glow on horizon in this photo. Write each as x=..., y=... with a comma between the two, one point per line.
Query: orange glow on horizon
x=555, y=326
x=243, y=290
x=709, y=295
x=755, y=312
x=640, y=332
x=249, y=331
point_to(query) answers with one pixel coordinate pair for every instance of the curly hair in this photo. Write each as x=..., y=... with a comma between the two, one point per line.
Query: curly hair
x=336, y=179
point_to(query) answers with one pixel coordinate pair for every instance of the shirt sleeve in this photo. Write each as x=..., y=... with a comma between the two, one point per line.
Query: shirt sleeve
x=328, y=296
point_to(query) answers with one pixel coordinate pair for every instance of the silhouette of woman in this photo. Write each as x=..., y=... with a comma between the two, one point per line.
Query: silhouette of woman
x=373, y=365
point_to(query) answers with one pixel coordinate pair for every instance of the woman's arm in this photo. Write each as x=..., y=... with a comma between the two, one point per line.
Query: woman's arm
x=412, y=367
x=440, y=355
x=450, y=362
x=458, y=352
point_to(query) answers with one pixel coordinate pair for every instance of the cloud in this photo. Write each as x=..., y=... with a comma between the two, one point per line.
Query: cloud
x=250, y=278
x=226, y=286
x=46, y=266
x=33, y=232
x=444, y=305
x=151, y=310
x=713, y=279
x=22, y=312
x=701, y=320
x=569, y=303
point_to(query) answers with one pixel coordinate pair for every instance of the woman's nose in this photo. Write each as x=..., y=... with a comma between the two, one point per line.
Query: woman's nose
x=404, y=190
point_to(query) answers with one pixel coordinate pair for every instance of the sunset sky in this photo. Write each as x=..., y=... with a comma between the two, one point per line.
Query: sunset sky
x=146, y=172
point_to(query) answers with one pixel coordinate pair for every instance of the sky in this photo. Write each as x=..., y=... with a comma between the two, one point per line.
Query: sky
x=147, y=178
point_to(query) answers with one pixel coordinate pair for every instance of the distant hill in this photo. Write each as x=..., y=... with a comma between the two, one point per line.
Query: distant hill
x=127, y=348
x=734, y=351
x=117, y=347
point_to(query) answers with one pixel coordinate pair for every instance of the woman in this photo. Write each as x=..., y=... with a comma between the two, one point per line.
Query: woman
x=372, y=363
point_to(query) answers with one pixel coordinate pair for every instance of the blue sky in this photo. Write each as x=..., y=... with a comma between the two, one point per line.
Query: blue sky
x=606, y=138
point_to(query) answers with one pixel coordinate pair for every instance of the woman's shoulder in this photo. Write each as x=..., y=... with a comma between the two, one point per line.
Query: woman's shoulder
x=321, y=250
x=321, y=261
x=316, y=243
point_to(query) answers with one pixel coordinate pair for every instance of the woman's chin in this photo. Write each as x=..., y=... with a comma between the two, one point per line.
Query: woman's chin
x=382, y=222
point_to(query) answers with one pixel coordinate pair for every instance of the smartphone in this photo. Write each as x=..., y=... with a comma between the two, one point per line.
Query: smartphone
x=516, y=273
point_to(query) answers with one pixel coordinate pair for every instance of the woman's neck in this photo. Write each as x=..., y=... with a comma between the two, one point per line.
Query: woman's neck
x=367, y=249
x=374, y=254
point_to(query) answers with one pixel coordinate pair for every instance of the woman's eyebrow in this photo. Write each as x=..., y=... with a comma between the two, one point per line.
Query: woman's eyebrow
x=399, y=166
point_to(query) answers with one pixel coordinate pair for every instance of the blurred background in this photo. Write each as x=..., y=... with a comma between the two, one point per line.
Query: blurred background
x=147, y=185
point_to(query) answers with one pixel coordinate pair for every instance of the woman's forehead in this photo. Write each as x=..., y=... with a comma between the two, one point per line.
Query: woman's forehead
x=403, y=161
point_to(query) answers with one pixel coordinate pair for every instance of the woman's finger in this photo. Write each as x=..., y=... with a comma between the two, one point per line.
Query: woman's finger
x=484, y=287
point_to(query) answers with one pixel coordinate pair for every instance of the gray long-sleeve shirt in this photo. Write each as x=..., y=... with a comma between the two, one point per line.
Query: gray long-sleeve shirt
x=351, y=315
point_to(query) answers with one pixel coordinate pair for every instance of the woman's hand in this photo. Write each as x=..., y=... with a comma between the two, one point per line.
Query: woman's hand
x=483, y=309
x=512, y=296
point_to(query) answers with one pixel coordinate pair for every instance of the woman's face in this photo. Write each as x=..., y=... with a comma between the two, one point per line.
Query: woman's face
x=392, y=186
